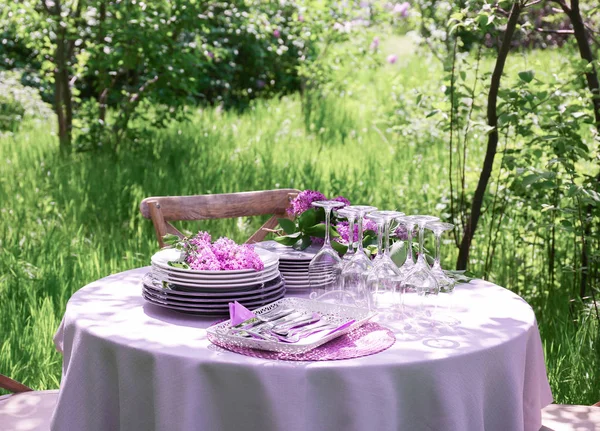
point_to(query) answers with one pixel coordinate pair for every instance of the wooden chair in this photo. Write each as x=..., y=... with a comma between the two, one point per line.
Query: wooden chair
x=25, y=409
x=164, y=209
x=565, y=417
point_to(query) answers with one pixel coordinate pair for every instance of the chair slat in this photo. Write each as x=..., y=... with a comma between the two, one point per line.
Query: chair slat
x=227, y=205
x=164, y=209
x=12, y=385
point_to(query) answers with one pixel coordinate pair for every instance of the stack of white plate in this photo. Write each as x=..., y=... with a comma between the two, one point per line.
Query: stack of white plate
x=293, y=264
x=209, y=293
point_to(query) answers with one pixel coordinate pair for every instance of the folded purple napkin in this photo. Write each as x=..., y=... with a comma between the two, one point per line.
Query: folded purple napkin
x=238, y=313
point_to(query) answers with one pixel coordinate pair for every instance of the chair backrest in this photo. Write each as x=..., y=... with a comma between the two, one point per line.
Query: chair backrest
x=12, y=385
x=164, y=209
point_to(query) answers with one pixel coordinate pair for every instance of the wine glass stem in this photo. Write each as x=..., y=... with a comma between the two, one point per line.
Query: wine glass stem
x=327, y=216
x=379, y=239
x=350, y=234
x=360, y=233
x=437, y=249
x=386, y=228
x=409, y=251
x=421, y=236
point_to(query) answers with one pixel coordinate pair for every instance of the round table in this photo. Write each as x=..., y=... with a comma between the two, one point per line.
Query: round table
x=129, y=365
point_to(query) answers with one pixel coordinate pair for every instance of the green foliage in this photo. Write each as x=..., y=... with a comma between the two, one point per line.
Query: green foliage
x=149, y=60
x=19, y=103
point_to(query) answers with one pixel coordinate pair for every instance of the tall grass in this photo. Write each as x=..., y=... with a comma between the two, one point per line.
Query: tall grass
x=67, y=222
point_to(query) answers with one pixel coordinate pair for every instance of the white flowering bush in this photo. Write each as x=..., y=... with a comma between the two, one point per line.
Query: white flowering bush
x=18, y=102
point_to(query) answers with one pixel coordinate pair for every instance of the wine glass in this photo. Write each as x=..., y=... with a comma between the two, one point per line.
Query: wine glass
x=420, y=278
x=349, y=215
x=408, y=265
x=446, y=283
x=380, y=222
x=354, y=272
x=384, y=279
x=324, y=268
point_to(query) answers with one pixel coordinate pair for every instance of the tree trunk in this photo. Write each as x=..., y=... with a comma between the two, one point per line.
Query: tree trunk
x=62, y=94
x=586, y=53
x=492, y=145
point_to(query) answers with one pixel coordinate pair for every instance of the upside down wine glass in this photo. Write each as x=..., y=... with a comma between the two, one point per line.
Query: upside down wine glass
x=349, y=215
x=324, y=268
x=354, y=272
x=421, y=279
x=384, y=279
x=409, y=263
x=446, y=283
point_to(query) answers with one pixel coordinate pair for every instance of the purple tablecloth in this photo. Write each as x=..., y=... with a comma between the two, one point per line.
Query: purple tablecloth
x=129, y=365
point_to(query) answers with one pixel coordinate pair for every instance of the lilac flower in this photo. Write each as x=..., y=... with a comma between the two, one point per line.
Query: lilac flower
x=203, y=258
x=342, y=200
x=316, y=240
x=223, y=254
x=375, y=43
x=210, y=54
x=392, y=58
x=276, y=33
x=343, y=229
x=301, y=18
x=260, y=83
x=401, y=233
x=303, y=201
x=402, y=9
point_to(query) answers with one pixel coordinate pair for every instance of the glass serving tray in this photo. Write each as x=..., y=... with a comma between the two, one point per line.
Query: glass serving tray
x=336, y=314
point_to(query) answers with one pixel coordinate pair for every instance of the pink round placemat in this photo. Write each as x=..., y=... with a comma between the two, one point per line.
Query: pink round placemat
x=367, y=340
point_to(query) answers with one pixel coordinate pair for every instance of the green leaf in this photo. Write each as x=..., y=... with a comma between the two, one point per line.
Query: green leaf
x=307, y=218
x=319, y=231
x=530, y=179
x=287, y=225
x=288, y=240
x=178, y=265
x=171, y=239
x=398, y=253
x=526, y=75
x=302, y=243
x=340, y=248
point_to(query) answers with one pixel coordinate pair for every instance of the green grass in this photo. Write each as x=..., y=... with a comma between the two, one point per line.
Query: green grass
x=67, y=222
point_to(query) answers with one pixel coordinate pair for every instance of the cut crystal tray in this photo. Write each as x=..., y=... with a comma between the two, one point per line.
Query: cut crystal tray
x=338, y=315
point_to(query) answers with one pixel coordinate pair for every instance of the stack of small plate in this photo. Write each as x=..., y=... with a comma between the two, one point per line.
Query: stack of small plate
x=293, y=264
x=209, y=293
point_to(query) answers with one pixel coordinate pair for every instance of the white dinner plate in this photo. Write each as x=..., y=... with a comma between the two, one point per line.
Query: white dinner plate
x=209, y=309
x=157, y=286
x=166, y=255
x=255, y=276
x=203, y=283
x=210, y=303
x=286, y=253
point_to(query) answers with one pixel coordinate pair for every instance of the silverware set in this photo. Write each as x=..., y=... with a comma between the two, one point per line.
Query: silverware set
x=283, y=325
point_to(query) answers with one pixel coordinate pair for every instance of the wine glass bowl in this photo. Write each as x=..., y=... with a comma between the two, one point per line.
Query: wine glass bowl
x=445, y=283
x=325, y=267
x=355, y=270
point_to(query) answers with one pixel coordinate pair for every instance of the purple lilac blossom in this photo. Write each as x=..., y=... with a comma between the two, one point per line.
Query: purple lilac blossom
x=375, y=43
x=392, y=58
x=344, y=230
x=402, y=9
x=223, y=254
x=303, y=201
x=401, y=233
x=342, y=200
x=276, y=33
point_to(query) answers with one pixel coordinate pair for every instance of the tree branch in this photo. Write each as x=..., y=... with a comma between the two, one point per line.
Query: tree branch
x=492, y=146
